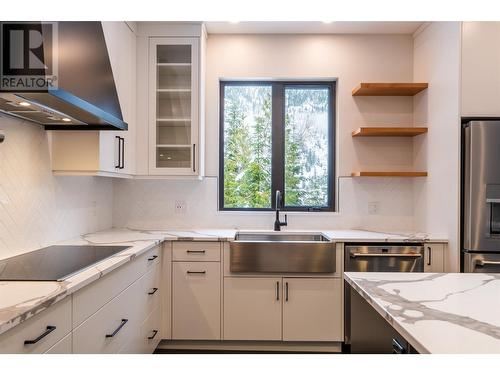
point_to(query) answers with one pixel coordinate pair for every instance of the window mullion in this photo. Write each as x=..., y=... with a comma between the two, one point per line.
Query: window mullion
x=278, y=143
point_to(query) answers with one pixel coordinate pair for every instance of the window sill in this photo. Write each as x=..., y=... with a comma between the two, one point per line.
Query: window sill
x=272, y=213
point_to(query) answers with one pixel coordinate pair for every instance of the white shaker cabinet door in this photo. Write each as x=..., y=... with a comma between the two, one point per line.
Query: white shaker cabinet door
x=480, y=69
x=434, y=257
x=196, y=300
x=252, y=308
x=312, y=309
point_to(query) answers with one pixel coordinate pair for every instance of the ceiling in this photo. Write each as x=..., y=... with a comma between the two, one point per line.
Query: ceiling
x=318, y=27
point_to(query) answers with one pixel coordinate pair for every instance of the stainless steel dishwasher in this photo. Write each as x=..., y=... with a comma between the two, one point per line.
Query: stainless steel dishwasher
x=396, y=257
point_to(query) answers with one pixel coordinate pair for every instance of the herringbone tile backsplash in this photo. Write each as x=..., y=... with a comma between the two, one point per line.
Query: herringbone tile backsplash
x=37, y=208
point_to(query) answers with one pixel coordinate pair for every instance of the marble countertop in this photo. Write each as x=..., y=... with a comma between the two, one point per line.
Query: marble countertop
x=21, y=300
x=450, y=313
x=355, y=235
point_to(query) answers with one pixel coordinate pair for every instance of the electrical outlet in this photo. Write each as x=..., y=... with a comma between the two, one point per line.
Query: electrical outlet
x=180, y=207
x=373, y=208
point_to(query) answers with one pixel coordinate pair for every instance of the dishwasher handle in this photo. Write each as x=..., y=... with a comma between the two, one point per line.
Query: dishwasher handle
x=385, y=255
x=482, y=263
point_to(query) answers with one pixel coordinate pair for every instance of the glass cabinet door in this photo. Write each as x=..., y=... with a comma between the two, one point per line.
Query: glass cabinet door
x=173, y=135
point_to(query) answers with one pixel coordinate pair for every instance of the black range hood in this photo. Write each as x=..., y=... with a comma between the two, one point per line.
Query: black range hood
x=84, y=97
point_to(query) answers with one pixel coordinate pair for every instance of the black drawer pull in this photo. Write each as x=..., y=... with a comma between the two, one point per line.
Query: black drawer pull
x=155, y=331
x=195, y=251
x=47, y=331
x=397, y=347
x=152, y=258
x=153, y=291
x=124, y=321
x=197, y=272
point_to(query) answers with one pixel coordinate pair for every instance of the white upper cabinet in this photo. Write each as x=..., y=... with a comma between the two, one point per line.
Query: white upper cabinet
x=110, y=153
x=173, y=123
x=481, y=69
x=169, y=100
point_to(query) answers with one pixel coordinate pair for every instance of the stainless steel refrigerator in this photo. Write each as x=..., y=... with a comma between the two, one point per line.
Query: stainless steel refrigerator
x=481, y=196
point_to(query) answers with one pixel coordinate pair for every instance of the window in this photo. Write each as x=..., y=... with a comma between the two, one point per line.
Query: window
x=277, y=136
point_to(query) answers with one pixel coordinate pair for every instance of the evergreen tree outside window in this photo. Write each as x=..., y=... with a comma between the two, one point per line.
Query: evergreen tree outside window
x=277, y=135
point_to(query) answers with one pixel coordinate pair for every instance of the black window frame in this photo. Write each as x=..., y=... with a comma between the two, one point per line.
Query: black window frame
x=278, y=142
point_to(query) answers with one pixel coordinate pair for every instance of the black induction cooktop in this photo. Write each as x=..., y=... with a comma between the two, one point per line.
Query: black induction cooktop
x=54, y=263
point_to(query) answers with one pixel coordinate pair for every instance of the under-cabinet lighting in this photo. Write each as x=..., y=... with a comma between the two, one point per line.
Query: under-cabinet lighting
x=24, y=104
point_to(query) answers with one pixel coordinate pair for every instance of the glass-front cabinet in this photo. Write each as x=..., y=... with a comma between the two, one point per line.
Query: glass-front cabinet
x=174, y=106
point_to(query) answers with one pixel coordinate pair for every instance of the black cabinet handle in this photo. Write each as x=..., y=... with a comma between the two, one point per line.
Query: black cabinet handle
x=48, y=330
x=119, y=152
x=286, y=291
x=155, y=331
x=195, y=251
x=194, y=157
x=122, y=166
x=152, y=258
x=429, y=260
x=277, y=290
x=153, y=291
x=124, y=321
x=196, y=272
x=397, y=348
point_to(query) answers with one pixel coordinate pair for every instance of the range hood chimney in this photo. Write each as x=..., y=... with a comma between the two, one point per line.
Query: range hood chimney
x=84, y=95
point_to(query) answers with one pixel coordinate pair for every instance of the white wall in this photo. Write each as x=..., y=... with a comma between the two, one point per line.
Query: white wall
x=36, y=208
x=437, y=61
x=349, y=58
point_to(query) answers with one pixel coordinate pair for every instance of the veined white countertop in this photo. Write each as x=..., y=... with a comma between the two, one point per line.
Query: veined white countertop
x=21, y=300
x=451, y=313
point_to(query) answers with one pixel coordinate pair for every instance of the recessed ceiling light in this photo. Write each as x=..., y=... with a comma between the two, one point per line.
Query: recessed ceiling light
x=65, y=119
x=24, y=104
x=327, y=22
x=234, y=22
x=169, y=158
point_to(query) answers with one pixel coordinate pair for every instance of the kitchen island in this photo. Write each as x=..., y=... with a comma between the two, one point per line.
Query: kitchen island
x=436, y=312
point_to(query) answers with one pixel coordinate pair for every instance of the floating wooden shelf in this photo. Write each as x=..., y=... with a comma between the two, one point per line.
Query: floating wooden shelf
x=388, y=132
x=388, y=89
x=389, y=174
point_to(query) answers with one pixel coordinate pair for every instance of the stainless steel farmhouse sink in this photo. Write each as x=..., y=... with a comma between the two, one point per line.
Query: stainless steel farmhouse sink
x=282, y=253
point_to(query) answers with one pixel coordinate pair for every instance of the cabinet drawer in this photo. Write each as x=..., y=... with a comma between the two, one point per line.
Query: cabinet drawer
x=63, y=346
x=196, y=301
x=39, y=329
x=196, y=251
x=151, y=290
x=111, y=327
x=147, y=337
x=151, y=330
x=91, y=298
